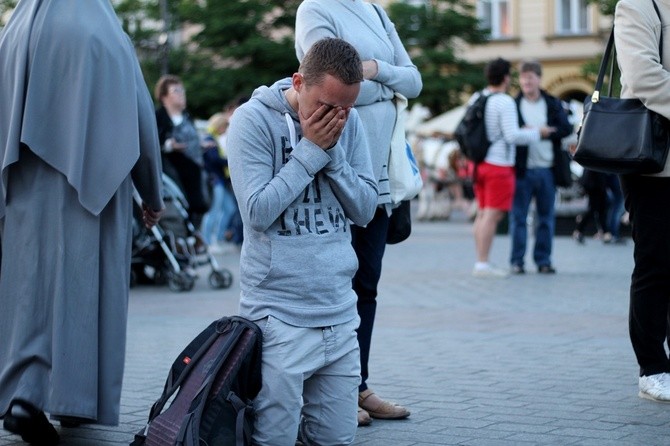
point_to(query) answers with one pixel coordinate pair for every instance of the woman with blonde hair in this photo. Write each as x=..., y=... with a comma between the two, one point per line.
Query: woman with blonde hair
x=223, y=208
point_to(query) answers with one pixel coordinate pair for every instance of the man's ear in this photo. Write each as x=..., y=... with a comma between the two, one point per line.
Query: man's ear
x=298, y=81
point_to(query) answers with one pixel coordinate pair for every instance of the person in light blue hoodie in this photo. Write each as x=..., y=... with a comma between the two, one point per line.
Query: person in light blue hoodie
x=302, y=173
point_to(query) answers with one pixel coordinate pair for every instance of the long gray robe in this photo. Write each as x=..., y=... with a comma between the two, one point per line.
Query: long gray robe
x=77, y=128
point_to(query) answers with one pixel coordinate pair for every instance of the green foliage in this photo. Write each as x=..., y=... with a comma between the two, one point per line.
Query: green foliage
x=590, y=68
x=605, y=6
x=6, y=5
x=431, y=33
x=241, y=45
x=135, y=16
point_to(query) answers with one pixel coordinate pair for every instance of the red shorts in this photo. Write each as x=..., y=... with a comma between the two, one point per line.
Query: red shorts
x=494, y=186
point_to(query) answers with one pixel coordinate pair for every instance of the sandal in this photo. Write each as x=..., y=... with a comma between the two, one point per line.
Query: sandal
x=364, y=418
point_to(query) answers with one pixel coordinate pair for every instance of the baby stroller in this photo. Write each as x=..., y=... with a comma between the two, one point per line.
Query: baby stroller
x=170, y=252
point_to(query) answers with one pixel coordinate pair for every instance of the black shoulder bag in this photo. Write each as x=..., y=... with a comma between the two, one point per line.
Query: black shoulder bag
x=621, y=136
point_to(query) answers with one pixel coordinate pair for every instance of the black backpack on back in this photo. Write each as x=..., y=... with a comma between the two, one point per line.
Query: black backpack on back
x=215, y=379
x=471, y=131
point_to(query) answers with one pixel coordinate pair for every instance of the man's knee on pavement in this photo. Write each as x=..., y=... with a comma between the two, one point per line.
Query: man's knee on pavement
x=316, y=433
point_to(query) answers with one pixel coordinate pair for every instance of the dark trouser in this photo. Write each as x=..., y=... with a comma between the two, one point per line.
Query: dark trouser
x=597, y=210
x=648, y=201
x=369, y=243
x=189, y=177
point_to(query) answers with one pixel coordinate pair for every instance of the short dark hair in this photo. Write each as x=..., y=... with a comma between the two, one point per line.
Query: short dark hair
x=496, y=70
x=331, y=56
x=163, y=85
x=531, y=65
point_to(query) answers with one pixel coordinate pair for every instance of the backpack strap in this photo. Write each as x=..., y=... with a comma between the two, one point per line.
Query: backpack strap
x=487, y=97
x=180, y=369
x=184, y=363
x=241, y=408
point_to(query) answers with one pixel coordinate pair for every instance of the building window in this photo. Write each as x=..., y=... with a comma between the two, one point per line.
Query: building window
x=572, y=17
x=495, y=16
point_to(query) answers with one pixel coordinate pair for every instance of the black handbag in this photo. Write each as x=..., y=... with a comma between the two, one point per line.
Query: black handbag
x=621, y=136
x=400, y=224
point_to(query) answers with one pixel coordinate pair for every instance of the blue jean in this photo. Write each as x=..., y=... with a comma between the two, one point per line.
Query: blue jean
x=538, y=183
x=310, y=383
x=235, y=227
x=219, y=215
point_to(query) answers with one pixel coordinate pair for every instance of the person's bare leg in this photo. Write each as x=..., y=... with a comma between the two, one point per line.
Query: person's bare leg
x=485, y=226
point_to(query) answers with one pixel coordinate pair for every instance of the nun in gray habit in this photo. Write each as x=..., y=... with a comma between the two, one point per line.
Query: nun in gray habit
x=77, y=128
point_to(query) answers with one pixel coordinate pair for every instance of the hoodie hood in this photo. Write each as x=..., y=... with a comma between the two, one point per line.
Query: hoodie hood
x=273, y=97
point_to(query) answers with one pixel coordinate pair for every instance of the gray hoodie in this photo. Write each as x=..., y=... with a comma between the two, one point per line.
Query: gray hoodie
x=296, y=202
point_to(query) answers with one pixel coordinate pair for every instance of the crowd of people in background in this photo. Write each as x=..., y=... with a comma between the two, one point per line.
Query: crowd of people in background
x=448, y=177
x=196, y=160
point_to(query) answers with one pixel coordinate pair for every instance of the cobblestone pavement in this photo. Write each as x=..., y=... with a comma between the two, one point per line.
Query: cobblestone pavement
x=528, y=360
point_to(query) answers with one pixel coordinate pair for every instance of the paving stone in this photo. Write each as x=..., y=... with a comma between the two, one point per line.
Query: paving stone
x=527, y=360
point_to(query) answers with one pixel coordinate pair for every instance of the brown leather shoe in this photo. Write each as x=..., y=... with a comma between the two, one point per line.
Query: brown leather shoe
x=363, y=417
x=378, y=408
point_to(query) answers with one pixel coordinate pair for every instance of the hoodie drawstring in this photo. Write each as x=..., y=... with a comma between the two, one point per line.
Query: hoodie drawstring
x=291, y=131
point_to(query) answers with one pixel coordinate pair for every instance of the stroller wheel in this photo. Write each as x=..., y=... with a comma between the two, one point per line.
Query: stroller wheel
x=180, y=282
x=220, y=279
x=160, y=277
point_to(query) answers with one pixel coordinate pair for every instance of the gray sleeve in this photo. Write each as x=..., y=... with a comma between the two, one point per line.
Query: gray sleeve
x=351, y=177
x=146, y=173
x=401, y=75
x=261, y=194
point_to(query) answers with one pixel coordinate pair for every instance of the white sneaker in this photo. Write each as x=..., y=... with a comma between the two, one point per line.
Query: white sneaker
x=655, y=387
x=215, y=248
x=489, y=271
x=219, y=248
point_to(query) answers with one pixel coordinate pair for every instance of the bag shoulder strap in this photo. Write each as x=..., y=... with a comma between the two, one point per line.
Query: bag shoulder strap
x=485, y=100
x=610, y=51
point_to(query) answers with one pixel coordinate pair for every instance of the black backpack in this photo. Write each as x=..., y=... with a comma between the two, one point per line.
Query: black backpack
x=215, y=379
x=471, y=131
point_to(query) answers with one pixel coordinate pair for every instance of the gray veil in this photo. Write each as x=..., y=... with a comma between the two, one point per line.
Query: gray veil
x=51, y=51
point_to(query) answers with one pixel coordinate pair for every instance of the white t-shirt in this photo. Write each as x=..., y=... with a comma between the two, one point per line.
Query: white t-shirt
x=541, y=153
